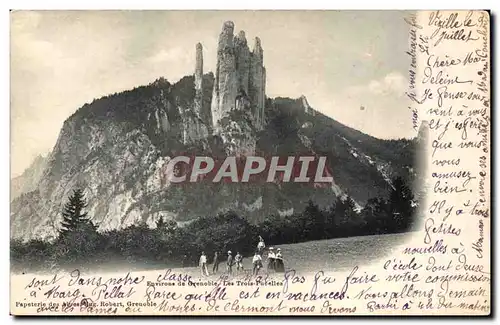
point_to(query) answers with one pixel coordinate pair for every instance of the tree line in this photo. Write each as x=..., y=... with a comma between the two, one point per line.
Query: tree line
x=79, y=244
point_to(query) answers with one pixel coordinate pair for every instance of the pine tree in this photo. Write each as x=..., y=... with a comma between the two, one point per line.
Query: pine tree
x=345, y=218
x=73, y=215
x=330, y=227
x=376, y=216
x=160, y=223
x=314, y=222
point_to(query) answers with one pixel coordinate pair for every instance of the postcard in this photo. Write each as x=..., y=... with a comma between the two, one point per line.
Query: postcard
x=326, y=163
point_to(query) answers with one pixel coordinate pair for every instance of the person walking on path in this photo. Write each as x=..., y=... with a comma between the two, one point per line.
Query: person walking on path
x=257, y=263
x=230, y=262
x=216, y=263
x=203, y=264
x=239, y=261
x=261, y=245
x=278, y=262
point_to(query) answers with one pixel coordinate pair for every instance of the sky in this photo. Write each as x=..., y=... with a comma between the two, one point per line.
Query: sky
x=351, y=65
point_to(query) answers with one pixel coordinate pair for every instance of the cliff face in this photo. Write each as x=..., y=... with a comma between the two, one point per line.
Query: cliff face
x=194, y=128
x=238, y=133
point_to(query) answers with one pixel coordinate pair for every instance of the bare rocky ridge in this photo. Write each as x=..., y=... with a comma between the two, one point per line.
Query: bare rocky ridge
x=28, y=180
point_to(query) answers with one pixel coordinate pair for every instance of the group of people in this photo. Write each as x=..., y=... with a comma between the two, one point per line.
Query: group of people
x=274, y=261
x=231, y=261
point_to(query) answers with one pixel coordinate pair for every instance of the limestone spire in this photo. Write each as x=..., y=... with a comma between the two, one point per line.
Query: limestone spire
x=199, y=59
x=257, y=83
x=198, y=80
x=239, y=77
x=242, y=62
x=226, y=79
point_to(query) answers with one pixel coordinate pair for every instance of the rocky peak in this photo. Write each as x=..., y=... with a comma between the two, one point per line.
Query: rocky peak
x=305, y=105
x=257, y=50
x=226, y=38
x=161, y=83
x=303, y=99
x=28, y=180
x=199, y=59
x=241, y=37
x=228, y=26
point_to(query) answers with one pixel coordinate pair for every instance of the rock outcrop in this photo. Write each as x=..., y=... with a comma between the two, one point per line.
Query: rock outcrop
x=239, y=78
x=305, y=105
x=238, y=133
x=193, y=127
x=158, y=117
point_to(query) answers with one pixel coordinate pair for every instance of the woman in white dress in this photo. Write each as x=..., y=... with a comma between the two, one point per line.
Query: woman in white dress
x=279, y=264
